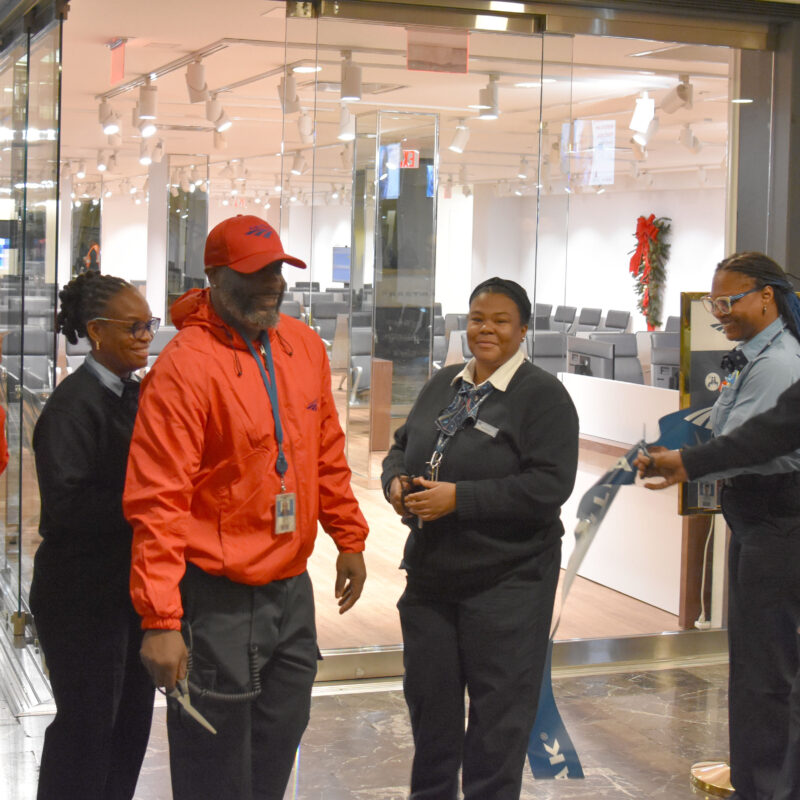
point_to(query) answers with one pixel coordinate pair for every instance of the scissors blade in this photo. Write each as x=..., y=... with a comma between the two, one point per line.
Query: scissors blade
x=181, y=694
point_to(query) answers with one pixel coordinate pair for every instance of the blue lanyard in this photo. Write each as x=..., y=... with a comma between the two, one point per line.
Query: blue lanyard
x=281, y=464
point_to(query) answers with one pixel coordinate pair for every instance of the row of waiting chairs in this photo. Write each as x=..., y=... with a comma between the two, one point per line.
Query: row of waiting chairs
x=549, y=350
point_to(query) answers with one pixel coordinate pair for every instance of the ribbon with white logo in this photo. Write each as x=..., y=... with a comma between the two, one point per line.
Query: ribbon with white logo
x=551, y=753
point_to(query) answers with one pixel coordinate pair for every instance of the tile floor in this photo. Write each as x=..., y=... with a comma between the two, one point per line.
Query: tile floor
x=637, y=734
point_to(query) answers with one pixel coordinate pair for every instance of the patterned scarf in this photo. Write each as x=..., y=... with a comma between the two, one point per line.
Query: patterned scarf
x=464, y=406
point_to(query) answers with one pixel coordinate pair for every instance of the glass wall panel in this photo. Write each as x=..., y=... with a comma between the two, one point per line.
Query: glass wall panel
x=187, y=224
x=426, y=222
x=30, y=85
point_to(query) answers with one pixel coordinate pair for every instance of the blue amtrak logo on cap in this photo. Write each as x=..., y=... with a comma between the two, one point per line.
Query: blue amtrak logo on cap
x=259, y=230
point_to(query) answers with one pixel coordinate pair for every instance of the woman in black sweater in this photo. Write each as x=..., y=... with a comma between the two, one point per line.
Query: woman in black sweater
x=85, y=621
x=479, y=472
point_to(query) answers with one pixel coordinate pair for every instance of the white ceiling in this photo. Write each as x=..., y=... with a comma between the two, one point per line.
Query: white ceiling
x=584, y=78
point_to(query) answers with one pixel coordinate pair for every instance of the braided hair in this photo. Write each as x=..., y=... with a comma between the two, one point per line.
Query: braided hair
x=83, y=299
x=766, y=272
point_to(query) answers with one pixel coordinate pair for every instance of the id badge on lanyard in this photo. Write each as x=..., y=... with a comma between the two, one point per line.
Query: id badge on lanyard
x=285, y=502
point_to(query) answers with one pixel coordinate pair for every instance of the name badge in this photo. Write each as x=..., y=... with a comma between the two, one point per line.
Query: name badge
x=485, y=427
x=285, y=512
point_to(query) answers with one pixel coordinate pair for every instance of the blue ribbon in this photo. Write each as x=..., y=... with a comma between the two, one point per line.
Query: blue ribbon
x=551, y=753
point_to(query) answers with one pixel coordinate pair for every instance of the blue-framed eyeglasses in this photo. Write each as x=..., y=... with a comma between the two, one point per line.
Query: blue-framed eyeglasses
x=722, y=305
x=138, y=329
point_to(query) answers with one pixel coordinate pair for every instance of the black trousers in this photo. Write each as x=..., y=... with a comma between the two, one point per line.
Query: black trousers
x=763, y=616
x=240, y=635
x=94, y=747
x=494, y=643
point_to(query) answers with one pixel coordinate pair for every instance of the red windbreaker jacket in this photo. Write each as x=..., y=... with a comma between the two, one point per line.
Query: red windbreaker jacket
x=201, y=480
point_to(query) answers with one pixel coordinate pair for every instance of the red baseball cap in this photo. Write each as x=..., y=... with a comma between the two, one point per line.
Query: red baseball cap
x=246, y=244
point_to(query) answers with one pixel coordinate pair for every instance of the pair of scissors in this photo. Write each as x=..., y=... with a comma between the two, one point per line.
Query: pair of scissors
x=180, y=692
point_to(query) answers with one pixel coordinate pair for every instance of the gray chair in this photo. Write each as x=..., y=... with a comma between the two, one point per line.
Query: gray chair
x=291, y=308
x=616, y=321
x=665, y=359
x=361, y=319
x=438, y=326
x=323, y=319
x=163, y=335
x=627, y=366
x=439, y=351
x=76, y=353
x=588, y=320
x=563, y=318
x=454, y=322
x=361, y=340
x=548, y=350
x=28, y=357
x=673, y=324
x=540, y=318
x=465, y=351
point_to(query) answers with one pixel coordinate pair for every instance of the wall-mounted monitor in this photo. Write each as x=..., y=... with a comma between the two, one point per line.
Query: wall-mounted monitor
x=590, y=357
x=341, y=265
x=389, y=171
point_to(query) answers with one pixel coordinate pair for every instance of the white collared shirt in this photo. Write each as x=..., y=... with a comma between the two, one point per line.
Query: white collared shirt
x=500, y=378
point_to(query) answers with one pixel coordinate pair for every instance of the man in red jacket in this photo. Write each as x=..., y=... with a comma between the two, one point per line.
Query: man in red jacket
x=236, y=455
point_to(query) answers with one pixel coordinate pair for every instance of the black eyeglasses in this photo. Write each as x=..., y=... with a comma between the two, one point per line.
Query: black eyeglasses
x=138, y=329
x=722, y=305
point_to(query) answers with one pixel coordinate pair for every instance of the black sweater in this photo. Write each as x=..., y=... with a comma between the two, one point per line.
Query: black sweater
x=773, y=433
x=81, y=443
x=509, y=487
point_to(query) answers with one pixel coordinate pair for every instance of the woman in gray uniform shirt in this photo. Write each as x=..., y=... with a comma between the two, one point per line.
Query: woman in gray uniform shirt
x=754, y=303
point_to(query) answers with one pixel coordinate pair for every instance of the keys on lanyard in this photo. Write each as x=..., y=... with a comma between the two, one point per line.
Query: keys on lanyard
x=433, y=464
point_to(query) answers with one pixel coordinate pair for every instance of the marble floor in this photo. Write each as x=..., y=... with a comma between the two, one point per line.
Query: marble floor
x=637, y=733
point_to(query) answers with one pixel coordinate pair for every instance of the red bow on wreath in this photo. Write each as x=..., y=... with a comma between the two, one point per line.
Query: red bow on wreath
x=646, y=232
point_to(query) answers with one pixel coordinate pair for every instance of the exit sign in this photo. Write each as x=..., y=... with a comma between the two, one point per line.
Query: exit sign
x=410, y=159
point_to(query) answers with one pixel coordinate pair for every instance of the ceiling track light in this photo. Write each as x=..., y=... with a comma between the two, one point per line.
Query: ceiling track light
x=639, y=152
x=158, y=152
x=215, y=114
x=347, y=125
x=112, y=163
x=148, y=100
x=460, y=138
x=196, y=84
x=305, y=127
x=350, y=91
x=80, y=173
x=287, y=94
x=115, y=140
x=145, y=159
x=522, y=172
x=102, y=161
x=299, y=165
x=220, y=142
x=680, y=96
x=643, y=113
x=687, y=138
x=642, y=138
x=227, y=171
x=108, y=118
x=488, y=100
x=147, y=128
